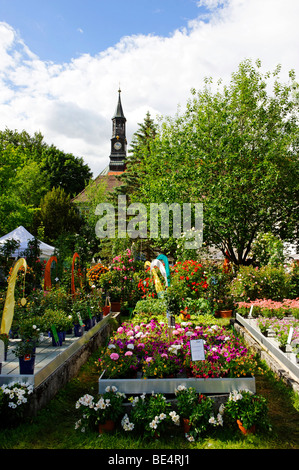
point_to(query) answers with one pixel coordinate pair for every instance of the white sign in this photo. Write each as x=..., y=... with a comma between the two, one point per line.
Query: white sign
x=197, y=350
x=290, y=335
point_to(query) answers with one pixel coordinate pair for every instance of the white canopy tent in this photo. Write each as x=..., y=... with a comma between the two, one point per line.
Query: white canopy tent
x=22, y=236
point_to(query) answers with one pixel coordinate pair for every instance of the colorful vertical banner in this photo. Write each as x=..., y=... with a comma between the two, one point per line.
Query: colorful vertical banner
x=166, y=264
x=47, y=275
x=9, y=305
x=158, y=285
x=73, y=274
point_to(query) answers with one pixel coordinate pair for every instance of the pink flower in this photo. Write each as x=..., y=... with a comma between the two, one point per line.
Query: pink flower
x=120, y=329
x=129, y=353
x=114, y=356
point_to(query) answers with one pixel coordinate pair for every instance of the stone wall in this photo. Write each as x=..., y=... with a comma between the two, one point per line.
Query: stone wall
x=45, y=391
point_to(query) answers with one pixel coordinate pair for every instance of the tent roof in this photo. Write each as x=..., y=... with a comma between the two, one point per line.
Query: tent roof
x=22, y=235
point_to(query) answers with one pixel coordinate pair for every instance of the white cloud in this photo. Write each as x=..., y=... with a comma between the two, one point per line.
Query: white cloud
x=72, y=104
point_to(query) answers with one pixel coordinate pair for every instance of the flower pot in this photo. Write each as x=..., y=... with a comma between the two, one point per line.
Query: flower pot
x=223, y=313
x=26, y=364
x=60, y=339
x=244, y=431
x=186, y=425
x=88, y=324
x=78, y=330
x=108, y=426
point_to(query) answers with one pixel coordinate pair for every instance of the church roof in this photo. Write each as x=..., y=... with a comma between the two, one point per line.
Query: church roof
x=111, y=181
x=119, y=109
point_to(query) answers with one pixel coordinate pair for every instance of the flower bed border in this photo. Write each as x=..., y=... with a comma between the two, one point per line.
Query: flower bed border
x=210, y=386
x=270, y=345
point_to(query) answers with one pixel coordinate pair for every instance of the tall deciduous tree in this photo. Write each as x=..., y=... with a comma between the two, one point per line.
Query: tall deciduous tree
x=236, y=151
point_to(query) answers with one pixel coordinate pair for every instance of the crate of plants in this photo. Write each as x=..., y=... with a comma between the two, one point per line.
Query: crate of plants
x=151, y=356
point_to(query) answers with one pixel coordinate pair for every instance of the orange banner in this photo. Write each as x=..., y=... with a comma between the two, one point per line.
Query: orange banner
x=47, y=276
x=73, y=277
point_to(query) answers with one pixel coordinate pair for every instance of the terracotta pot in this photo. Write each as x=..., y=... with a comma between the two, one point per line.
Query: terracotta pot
x=108, y=426
x=223, y=313
x=244, y=431
x=186, y=425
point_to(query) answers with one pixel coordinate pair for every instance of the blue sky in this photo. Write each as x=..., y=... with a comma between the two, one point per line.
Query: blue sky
x=59, y=30
x=61, y=61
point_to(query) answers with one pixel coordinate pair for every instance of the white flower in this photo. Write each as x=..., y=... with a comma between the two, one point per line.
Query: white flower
x=126, y=425
x=111, y=346
x=130, y=346
x=153, y=424
x=162, y=416
x=175, y=417
x=180, y=388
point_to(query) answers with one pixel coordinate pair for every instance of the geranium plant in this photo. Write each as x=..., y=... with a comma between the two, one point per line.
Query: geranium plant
x=248, y=408
x=97, y=410
x=150, y=414
x=15, y=399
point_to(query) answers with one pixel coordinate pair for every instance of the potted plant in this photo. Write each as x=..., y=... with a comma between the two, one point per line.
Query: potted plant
x=15, y=398
x=57, y=322
x=25, y=351
x=187, y=399
x=103, y=411
x=195, y=410
x=150, y=414
x=247, y=410
x=31, y=328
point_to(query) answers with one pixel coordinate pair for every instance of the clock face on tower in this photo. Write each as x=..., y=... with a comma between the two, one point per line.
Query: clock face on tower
x=117, y=145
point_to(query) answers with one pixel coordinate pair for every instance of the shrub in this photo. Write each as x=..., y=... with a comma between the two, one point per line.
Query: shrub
x=268, y=282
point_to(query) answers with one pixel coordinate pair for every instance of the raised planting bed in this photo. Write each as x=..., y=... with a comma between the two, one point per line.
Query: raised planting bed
x=270, y=345
x=153, y=357
x=168, y=385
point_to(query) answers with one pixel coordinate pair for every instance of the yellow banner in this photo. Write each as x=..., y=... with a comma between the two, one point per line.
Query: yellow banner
x=9, y=305
x=158, y=285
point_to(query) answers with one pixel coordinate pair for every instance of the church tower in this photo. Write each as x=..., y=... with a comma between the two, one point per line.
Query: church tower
x=118, y=141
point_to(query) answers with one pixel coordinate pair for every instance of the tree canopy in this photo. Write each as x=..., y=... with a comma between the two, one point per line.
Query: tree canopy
x=29, y=168
x=235, y=149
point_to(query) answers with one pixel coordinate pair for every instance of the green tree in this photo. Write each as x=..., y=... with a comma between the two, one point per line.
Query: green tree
x=139, y=152
x=236, y=151
x=57, y=215
x=65, y=171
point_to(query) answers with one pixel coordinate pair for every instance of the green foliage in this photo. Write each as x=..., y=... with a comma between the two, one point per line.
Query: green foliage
x=29, y=168
x=267, y=249
x=58, y=215
x=150, y=307
x=267, y=282
x=238, y=146
x=250, y=409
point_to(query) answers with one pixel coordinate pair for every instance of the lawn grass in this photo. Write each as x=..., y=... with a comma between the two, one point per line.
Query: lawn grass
x=53, y=427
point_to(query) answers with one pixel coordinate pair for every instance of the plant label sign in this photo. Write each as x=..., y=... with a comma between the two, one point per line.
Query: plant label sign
x=197, y=350
x=290, y=335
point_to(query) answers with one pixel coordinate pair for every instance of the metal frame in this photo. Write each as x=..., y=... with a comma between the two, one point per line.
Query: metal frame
x=206, y=386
